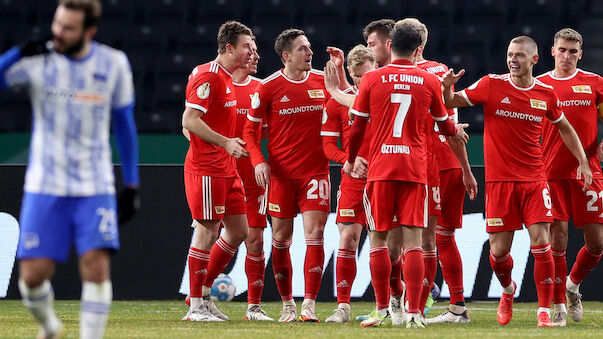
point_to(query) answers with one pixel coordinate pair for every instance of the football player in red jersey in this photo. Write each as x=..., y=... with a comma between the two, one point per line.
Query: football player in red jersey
x=350, y=211
x=453, y=178
x=515, y=106
x=213, y=188
x=398, y=98
x=291, y=102
x=579, y=93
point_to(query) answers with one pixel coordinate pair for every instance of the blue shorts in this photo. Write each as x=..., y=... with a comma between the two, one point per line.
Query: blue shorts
x=50, y=224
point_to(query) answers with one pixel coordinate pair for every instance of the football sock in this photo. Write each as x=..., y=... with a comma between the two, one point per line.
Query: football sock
x=39, y=301
x=560, y=308
x=430, y=264
x=395, y=280
x=502, y=267
x=585, y=262
x=546, y=310
x=560, y=276
x=451, y=265
x=414, y=271
x=197, y=270
x=254, y=269
x=95, y=308
x=219, y=257
x=381, y=268
x=315, y=258
x=345, y=271
x=281, y=265
x=544, y=272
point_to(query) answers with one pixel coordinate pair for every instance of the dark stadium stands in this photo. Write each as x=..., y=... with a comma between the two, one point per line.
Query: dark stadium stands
x=165, y=39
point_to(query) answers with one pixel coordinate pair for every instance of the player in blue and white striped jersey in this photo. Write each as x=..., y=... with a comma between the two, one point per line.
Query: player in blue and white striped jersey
x=78, y=89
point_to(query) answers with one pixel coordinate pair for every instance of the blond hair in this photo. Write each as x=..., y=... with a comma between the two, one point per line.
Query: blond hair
x=359, y=55
x=568, y=34
x=418, y=25
x=526, y=40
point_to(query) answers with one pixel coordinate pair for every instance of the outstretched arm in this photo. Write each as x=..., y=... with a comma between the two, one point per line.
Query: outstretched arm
x=452, y=99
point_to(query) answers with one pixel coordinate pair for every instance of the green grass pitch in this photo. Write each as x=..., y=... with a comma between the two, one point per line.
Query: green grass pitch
x=161, y=319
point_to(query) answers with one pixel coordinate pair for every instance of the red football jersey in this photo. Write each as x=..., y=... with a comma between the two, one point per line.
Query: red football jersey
x=244, y=91
x=398, y=99
x=513, y=123
x=579, y=95
x=211, y=91
x=442, y=152
x=293, y=112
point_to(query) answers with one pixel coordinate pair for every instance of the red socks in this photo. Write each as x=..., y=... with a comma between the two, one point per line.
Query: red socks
x=315, y=259
x=430, y=263
x=544, y=272
x=254, y=269
x=560, y=276
x=451, y=264
x=502, y=267
x=381, y=268
x=197, y=270
x=219, y=257
x=281, y=265
x=395, y=280
x=414, y=271
x=345, y=272
x=585, y=262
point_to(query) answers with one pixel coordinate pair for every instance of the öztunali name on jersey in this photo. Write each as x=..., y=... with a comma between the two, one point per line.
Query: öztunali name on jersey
x=300, y=109
x=395, y=149
x=517, y=115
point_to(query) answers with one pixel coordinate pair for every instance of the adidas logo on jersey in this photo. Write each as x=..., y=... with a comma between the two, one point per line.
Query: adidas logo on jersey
x=549, y=214
x=315, y=269
x=505, y=101
x=343, y=283
x=228, y=91
x=258, y=283
x=285, y=99
x=323, y=203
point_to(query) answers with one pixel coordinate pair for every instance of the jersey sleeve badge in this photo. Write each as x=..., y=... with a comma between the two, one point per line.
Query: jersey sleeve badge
x=203, y=91
x=255, y=100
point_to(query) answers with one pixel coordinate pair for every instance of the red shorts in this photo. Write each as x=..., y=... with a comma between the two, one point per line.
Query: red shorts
x=255, y=198
x=384, y=200
x=511, y=203
x=309, y=194
x=211, y=198
x=350, y=209
x=569, y=200
x=453, y=191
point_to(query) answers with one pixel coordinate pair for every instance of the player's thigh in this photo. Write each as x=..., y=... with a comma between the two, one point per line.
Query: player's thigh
x=234, y=203
x=45, y=227
x=502, y=207
x=314, y=193
x=350, y=208
x=535, y=202
x=411, y=204
x=95, y=223
x=206, y=196
x=255, y=198
x=586, y=207
x=560, y=192
x=379, y=205
x=453, y=198
x=95, y=265
x=282, y=201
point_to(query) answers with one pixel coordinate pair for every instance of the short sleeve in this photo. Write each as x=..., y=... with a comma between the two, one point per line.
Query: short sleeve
x=331, y=120
x=123, y=95
x=260, y=104
x=361, y=106
x=554, y=113
x=200, y=90
x=478, y=92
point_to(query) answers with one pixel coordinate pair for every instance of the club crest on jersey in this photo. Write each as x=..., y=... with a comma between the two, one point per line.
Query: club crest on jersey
x=220, y=209
x=495, y=222
x=255, y=100
x=347, y=213
x=582, y=89
x=274, y=207
x=316, y=93
x=538, y=104
x=203, y=90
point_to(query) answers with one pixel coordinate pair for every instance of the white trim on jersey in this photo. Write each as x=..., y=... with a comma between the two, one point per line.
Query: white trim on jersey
x=367, y=210
x=426, y=207
x=540, y=83
x=207, y=203
x=466, y=98
x=558, y=119
x=523, y=88
x=195, y=106
x=329, y=134
x=552, y=75
x=271, y=77
x=254, y=119
x=360, y=114
x=440, y=119
x=246, y=82
x=402, y=66
x=296, y=81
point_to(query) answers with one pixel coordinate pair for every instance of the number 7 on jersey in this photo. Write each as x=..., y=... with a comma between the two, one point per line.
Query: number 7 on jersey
x=404, y=101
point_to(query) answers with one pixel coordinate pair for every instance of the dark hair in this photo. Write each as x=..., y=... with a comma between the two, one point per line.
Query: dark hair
x=405, y=39
x=229, y=34
x=383, y=27
x=92, y=10
x=283, y=41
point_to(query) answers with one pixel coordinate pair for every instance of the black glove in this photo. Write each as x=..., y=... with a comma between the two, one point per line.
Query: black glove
x=35, y=47
x=128, y=203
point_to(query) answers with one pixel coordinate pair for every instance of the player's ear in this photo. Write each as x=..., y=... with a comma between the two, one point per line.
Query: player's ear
x=580, y=54
x=230, y=48
x=553, y=50
x=388, y=43
x=90, y=32
x=535, y=59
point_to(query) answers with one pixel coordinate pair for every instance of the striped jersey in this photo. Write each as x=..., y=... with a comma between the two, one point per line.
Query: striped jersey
x=72, y=101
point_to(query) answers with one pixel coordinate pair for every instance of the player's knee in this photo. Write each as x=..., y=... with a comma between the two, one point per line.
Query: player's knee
x=348, y=241
x=595, y=247
x=32, y=279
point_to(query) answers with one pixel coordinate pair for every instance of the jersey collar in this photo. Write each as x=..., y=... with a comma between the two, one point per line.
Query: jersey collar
x=552, y=75
x=295, y=81
x=522, y=88
x=402, y=63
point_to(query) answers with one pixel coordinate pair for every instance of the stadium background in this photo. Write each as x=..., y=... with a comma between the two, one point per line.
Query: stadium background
x=165, y=39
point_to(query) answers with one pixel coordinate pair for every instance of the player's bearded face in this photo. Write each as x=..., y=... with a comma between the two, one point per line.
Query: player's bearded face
x=566, y=54
x=379, y=47
x=243, y=51
x=69, y=35
x=520, y=60
x=301, y=54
